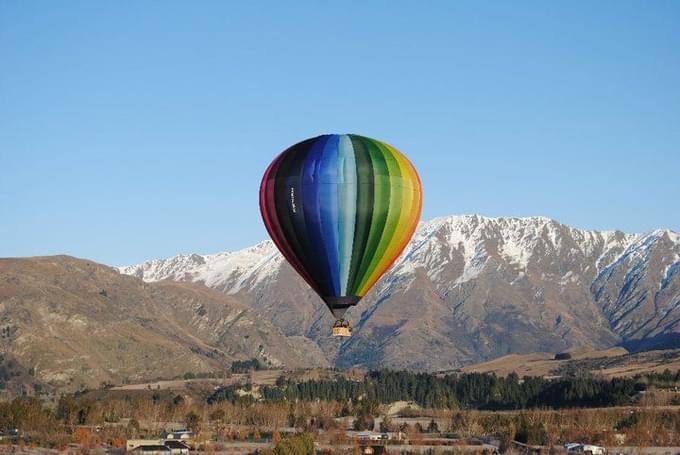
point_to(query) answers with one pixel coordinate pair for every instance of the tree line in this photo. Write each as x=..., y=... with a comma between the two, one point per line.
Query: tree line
x=482, y=391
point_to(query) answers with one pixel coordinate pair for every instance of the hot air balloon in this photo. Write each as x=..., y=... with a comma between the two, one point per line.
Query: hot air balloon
x=341, y=208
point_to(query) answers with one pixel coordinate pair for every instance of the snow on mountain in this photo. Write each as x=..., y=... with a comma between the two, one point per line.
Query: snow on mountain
x=467, y=288
x=640, y=290
x=514, y=240
x=228, y=271
x=432, y=246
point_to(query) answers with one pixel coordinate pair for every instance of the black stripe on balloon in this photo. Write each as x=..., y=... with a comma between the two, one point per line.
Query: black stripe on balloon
x=274, y=226
x=290, y=172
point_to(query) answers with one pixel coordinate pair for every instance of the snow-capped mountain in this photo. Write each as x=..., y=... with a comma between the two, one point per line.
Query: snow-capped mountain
x=228, y=271
x=466, y=289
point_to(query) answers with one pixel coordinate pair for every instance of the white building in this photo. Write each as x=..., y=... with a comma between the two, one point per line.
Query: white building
x=578, y=448
x=179, y=435
x=370, y=436
x=134, y=443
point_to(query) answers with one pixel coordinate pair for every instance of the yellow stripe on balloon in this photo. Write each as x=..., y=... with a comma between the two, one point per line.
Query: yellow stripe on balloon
x=411, y=206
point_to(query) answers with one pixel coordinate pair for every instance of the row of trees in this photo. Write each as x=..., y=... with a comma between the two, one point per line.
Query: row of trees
x=665, y=378
x=453, y=391
x=245, y=366
x=91, y=420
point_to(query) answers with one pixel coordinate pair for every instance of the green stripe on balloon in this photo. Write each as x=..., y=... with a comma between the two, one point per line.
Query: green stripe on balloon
x=393, y=211
x=364, y=210
x=381, y=195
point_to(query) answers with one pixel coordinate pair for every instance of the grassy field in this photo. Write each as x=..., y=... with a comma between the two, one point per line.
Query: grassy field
x=615, y=362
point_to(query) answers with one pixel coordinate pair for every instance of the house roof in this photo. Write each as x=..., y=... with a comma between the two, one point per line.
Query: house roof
x=152, y=448
x=173, y=444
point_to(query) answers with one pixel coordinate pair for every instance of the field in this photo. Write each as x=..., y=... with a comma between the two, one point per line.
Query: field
x=615, y=362
x=261, y=377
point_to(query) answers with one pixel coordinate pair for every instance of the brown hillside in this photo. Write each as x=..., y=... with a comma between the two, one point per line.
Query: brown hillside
x=77, y=323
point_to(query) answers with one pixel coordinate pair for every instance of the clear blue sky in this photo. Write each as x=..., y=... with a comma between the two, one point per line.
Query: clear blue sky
x=134, y=130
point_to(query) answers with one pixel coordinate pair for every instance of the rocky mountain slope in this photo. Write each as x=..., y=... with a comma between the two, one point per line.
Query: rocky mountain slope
x=468, y=289
x=73, y=322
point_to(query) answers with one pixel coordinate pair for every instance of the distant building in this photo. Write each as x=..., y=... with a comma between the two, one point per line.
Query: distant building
x=12, y=433
x=178, y=435
x=177, y=447
x=578, y=448
x=371, y=436
x=152, y=446
x=153, y=449
x=134, y=443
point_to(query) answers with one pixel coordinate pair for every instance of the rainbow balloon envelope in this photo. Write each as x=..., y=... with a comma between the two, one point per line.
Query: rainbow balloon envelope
x=341, y=208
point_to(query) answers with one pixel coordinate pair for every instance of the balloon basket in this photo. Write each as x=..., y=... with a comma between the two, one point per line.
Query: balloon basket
x=342, y=332
x=342, y=328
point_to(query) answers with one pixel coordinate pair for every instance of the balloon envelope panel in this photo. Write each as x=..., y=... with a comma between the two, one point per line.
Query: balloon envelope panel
x=341, y=208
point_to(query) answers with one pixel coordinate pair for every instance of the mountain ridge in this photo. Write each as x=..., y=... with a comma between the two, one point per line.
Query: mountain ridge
x=468, y=288
x=159, y=269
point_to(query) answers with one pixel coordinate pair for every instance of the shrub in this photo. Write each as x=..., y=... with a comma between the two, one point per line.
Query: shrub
x=296, y=445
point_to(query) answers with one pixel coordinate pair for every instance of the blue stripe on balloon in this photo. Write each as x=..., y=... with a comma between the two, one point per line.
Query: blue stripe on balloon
x=328, y=197
x=312, y=204
x=347, y=202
